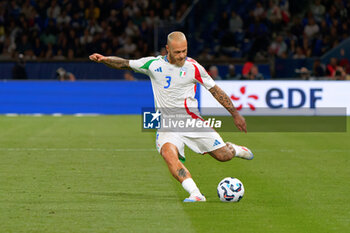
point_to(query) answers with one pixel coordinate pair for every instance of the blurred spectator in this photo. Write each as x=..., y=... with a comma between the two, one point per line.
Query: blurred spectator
x=332, y=67
x=304, y=73
x=128, y=76
x=19, y=70
x=94, y=27
x=259, y=11
x=49, y=51
x=7, y=49
x=63, y=75
x=86, y=38
x=299, y=54
x=274, y=15
x=318, y=10
x=77, y=21
x=167, y=18
x=278, y=47
x=284, y=6
x=318, y=69
x=253, y=74
x=128, y=49
x=48, y=38
x=340, y=73
x=63, y=18
x=235, y=22
x=214, y=73
x=27, y=9
x=152, y=19
x=334, y=71
x=93, y=12
x=232, y=75
x=131, y=30
x=54, y=10
x=311, y=29
x=59, y=56
x=247, y=67
x=70, y=54
x=344, y=61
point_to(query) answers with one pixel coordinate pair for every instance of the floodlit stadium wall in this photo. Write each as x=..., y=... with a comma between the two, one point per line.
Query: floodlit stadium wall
x=123, y=97
x=282, y=97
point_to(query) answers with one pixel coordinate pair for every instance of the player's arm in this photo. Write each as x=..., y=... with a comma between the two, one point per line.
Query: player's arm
x=225, y=101
x=112, y=62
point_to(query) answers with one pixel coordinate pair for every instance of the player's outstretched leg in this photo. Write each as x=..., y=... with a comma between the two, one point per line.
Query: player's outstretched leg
x=231, y=150
x=180, y=172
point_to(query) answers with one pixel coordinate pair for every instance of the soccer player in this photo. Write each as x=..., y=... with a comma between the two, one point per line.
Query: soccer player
x=174, y=78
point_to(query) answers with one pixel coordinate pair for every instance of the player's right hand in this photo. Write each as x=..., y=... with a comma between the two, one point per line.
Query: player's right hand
x=240, y=123
x=97, y=57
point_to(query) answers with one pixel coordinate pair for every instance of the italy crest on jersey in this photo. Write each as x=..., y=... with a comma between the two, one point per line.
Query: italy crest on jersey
x=183, y=71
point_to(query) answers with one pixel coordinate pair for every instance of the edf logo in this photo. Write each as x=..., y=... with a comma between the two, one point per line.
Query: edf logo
x=296, y=97
x=151, y=120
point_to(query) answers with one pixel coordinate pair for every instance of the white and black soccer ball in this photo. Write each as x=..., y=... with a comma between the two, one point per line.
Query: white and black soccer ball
x=230, y=190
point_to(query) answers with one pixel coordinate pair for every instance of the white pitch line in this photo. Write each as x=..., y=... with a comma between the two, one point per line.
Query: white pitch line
x=78, y=149
x=11, y=114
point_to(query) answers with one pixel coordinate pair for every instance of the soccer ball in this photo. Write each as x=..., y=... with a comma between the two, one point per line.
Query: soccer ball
x=230, y=190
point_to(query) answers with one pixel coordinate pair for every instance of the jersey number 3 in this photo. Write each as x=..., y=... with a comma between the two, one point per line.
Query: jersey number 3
x=168, y=81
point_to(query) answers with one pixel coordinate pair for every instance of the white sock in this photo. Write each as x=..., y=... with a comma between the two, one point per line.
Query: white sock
x=190, y=187
x=237, y=149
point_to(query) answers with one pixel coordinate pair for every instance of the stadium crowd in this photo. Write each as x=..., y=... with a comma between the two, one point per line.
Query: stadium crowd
x=315, y=33
x=72, y=29
x=269, y=28
x=64, y=29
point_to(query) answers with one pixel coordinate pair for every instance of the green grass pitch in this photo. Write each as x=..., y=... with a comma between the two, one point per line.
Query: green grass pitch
x=102, y=174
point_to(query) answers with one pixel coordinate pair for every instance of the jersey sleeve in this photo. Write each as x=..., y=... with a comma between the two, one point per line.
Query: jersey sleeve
x=141, y=65
x=202, y=76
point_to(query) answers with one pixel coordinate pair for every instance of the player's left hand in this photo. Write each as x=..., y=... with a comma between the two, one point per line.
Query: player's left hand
x=240, y=122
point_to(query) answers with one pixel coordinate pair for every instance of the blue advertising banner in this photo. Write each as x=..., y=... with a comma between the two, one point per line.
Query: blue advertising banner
x=88, y=97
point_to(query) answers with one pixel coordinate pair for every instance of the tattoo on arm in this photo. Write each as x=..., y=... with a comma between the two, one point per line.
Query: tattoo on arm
x=117, y=63
x=182, y=172
x=223, y=99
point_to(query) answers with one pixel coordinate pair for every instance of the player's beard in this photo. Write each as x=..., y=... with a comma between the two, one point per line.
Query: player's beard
x=177, y=62
x=181, y=62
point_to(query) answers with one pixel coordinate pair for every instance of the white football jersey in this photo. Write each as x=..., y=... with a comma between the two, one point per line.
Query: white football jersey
x=173, y=86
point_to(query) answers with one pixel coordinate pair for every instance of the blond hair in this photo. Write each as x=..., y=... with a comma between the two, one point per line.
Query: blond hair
x=177, y=36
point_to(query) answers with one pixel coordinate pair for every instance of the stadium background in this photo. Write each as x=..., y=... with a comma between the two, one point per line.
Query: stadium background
x=72, y=171
x=279, y=36
x=272, y=40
